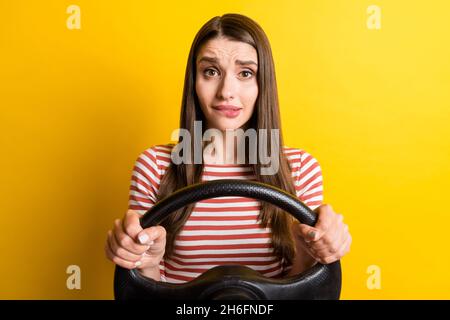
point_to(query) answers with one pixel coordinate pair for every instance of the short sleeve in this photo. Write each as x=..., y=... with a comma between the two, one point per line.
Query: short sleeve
x=307, y=176
x=145, y=179
x=309, y=181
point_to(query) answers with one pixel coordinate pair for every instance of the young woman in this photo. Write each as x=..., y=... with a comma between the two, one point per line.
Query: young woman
x=229, y=84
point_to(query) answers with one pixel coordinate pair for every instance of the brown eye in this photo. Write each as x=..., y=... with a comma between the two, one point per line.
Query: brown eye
x=247, y=73
x=209, y=72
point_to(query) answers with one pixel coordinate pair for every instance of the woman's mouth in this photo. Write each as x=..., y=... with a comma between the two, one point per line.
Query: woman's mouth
x=228, y=111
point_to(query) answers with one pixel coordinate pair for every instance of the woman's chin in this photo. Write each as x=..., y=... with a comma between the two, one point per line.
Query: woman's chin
x=230, y=128
x=228, y=125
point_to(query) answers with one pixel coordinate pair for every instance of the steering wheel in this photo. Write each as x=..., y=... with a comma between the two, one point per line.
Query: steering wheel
x=232, y=282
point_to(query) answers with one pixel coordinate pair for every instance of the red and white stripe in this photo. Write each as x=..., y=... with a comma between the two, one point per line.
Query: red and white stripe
x=222, y=230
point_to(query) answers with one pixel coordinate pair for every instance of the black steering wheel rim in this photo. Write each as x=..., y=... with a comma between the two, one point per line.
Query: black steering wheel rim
x=231, y=281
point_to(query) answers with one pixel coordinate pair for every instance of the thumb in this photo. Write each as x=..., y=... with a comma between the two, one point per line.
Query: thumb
x=151, y=235
x=132, y=224
x=308, y=233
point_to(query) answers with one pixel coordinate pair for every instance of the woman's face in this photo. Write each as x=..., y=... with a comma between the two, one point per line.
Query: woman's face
x=226, y=83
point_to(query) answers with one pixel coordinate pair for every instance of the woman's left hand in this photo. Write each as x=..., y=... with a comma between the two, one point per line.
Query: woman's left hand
x=329, y=240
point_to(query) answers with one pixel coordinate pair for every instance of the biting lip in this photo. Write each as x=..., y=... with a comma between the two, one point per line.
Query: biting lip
x=227, y=107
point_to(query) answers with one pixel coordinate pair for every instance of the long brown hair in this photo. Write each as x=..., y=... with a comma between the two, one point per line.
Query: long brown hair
x=265, y=116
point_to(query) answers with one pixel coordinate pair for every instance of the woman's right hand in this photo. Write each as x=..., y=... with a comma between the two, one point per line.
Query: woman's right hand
x=130, y=246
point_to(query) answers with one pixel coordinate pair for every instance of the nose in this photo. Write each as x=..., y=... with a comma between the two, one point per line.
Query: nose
x=227, y=88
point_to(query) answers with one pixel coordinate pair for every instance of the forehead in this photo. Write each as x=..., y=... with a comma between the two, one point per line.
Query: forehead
x=224, y=49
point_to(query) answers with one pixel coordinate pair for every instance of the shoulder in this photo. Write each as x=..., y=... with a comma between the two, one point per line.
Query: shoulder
x=298, y=157
x=156, y=157
x=307, y=175
x=158, y=152
x=304, y=167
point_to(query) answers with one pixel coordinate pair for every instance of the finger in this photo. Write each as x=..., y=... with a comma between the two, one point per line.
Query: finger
x=341, y=252
x=346, y=246
x=330, y=248
x=152, y=235
x=150, y=260
x=125, y=241
x=329, y=225
x=131, y=224
x=330, y=242
x=119, y=261
x=309, y=233
x=325, y=217
x=122, y=252
x=339, y=238
x=327, y=239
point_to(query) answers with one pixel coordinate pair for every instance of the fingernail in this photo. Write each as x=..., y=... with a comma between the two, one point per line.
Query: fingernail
x=311, y=235
x=143, y=237
x=138, y=263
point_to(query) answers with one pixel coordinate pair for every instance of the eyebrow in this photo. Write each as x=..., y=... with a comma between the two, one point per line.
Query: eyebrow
x=215, y=60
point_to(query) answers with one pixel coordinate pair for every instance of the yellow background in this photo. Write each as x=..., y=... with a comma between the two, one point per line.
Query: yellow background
x=78, y=106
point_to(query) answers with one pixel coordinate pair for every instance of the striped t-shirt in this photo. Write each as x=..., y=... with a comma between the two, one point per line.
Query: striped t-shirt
x=223, y=230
